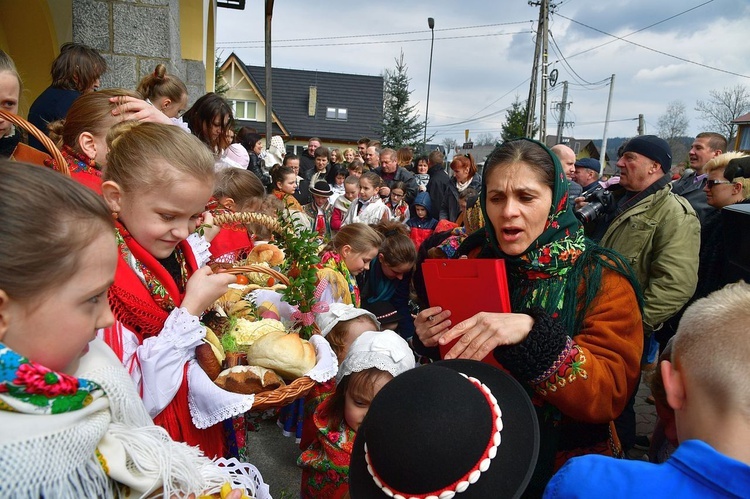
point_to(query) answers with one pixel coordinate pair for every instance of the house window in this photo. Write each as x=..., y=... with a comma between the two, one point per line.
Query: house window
x=244, y=110
x=336, y=113
x=744, y=142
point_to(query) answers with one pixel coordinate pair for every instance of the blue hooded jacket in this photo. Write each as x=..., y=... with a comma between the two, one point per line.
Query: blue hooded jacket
x=423, y=200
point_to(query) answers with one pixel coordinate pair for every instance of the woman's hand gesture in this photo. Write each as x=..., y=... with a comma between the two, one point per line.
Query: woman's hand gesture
x=479, y=335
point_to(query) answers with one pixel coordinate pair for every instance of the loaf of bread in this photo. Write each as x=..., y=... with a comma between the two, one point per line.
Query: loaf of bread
x=206, y=358
x=286, y=353
x=248, y=379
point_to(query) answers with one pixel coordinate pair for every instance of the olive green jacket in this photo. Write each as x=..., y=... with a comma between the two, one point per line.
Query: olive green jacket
x=660, y=238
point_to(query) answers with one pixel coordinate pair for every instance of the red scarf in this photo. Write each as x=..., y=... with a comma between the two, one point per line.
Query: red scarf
x=144, y=309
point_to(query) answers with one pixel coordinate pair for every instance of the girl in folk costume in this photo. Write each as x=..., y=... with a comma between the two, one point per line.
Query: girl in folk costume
x=340, y=326
x=158, y=181
x=349, y=253
x=71, y=421
x=81, y=136
x=374, y=358
x=167, y=93
x=320, y=210
x=396, y=204
x=235, y=190
x=369, y=209
x=283, y=184
x=343, y=202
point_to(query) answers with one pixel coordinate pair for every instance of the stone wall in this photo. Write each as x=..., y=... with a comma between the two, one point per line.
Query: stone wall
x=134, y=36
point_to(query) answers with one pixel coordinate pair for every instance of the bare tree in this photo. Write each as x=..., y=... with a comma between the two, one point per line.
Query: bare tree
x=486, y=139
x=449, y=144
x=672, y=127
x=674, y=122
x=722, y=107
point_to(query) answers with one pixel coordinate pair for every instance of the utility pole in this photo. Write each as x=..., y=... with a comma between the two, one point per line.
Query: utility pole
x=563, y=107
x=545, y=73
x=269, y=109
x=603, y=153
x=641, y=125
x=540, y=51
x=531, y=101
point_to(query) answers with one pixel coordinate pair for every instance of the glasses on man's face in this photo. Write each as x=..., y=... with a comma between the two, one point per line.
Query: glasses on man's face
x=711, y=183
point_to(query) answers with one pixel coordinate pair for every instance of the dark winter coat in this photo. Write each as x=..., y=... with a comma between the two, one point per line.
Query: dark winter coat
x=450, y=208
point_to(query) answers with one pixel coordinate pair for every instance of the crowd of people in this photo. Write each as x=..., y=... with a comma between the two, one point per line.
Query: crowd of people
x=104, y=279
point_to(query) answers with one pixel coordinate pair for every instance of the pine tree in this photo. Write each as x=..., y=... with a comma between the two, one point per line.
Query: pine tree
x=515, y=122
x=401, y=125
x=220, y=83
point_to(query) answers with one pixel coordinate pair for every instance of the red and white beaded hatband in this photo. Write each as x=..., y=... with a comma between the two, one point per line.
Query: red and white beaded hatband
x=471, y=476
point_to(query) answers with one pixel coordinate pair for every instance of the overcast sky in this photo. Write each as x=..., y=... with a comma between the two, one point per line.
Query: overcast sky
x=483, y=53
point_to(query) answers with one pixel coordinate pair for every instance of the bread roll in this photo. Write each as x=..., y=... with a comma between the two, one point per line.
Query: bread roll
x=286, y=353
x=248, y=379
x=206, y=358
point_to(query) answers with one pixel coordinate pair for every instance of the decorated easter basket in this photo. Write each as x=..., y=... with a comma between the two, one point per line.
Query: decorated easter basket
x=28, y=154
x=297, y=247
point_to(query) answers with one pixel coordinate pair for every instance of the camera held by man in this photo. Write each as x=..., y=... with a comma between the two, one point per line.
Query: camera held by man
x=597, y=202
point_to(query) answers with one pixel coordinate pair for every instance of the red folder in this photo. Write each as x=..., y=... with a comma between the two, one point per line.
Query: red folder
x=466, y=287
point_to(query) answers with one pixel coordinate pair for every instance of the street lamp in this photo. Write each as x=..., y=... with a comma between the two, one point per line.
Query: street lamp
x=431, y=24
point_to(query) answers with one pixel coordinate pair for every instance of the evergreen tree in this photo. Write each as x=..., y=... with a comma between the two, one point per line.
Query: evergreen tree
x=515, y=122
x=401, y=125
x=220, y=83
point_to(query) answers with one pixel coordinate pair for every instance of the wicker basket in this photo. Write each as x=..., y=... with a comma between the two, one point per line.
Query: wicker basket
x=299, y=387
x=60, y=164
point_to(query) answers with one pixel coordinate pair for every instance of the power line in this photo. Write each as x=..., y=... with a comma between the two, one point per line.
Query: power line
x=658, y=51
x=567, y=64
x=381, y=42
x=371, y=35
x=636, y=31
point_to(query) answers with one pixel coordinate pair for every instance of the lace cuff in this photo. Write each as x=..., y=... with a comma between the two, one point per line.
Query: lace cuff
x=201, y=248
x=208, y=403
x=327, y=365
x=183, y=330
x=531, y=358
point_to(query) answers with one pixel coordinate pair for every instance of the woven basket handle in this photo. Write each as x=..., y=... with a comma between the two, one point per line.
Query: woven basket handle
x=60, y=164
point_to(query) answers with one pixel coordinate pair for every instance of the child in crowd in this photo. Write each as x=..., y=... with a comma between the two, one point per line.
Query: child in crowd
x=397, y=205
x=457, y=428
x=349, y=253
x=157, y=182
x=706, y=384
x=421, y=176
x=340, y=326
x=342, y=203
x=82, y=135
x=322, y=158
x=235, y=190
x=320, y=210
x=166, y=92
x=390, y=274
x=283, y=184
x=71, y=421
x=75, y=71
x=423, y=225
x=336, y=158
x=464, y=197
x=10, y=90
x=372, y=361
x=356, y=167
x=336, y=180
x=369, y=208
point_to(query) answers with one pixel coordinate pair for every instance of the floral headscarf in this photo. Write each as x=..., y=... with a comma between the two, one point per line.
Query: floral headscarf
x=553, y=266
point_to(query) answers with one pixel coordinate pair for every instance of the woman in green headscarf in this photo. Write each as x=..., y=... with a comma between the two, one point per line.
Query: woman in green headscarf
x=574, y=336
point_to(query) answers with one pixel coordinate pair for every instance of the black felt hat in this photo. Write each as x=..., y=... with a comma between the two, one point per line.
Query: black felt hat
x=321, y=188
x=385, y=312
x=458, y=426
